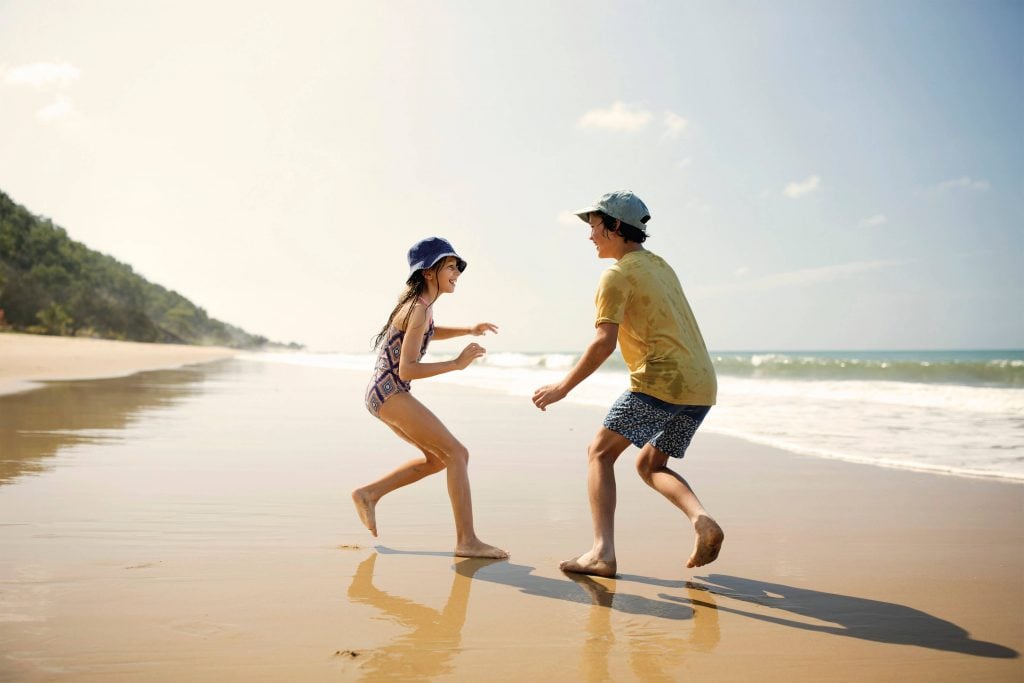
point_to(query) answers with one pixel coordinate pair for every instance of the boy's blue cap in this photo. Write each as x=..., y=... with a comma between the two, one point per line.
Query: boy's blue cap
x=427, y=252
x=621, y=204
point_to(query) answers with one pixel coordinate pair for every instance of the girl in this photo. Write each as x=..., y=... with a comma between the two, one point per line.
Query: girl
x=434, y=268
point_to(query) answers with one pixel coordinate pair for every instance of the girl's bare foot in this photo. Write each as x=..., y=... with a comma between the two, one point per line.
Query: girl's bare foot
x=478, y=548
x=365, y=507
x=708, y=543
x=586, y=564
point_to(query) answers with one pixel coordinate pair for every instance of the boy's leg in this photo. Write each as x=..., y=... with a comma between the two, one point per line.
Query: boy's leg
x=652, y=465
x=604, y=450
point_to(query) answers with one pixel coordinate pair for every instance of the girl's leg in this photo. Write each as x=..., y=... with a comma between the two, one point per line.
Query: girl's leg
x=366, y=497
x=406, y=414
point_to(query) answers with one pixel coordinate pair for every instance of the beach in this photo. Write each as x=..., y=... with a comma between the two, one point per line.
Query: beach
x=194, y=523
x=27, y=359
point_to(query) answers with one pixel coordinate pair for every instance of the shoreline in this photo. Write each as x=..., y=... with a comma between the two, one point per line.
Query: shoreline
x=27, y=361
x=898, y=466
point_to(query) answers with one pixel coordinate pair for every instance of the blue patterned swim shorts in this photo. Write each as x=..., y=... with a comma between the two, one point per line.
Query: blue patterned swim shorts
x=645, y=420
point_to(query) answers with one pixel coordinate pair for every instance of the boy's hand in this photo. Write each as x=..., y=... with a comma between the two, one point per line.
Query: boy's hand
x=548, y=394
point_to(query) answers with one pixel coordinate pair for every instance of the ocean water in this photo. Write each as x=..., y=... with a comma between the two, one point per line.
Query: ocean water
x=952, y=412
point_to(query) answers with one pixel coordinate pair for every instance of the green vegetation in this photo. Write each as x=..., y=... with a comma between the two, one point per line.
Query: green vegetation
x=51, y=284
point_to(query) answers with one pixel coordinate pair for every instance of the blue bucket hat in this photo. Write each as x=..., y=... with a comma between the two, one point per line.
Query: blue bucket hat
x=427, y=252
x=621, y=204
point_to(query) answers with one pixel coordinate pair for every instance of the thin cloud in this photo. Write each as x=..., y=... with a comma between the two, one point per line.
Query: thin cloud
x=42, y=75
x=683, y=163
x=675, y=125
x=620, y=116
x=963, y=183
x=625, y=117
x=61, y=108
x=799, y=189
x=794, y=278
x=877, y=219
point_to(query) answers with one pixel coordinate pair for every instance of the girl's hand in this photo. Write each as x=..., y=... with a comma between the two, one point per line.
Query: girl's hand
x=481, y=328
x=468, y=355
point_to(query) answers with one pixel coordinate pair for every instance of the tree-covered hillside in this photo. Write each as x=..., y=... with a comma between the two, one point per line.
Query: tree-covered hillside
x=51, y=284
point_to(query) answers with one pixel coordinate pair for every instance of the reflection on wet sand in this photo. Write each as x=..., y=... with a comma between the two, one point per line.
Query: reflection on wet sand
x=657, y=640
x=37, y=425
x=434, y=636
x=655, y=653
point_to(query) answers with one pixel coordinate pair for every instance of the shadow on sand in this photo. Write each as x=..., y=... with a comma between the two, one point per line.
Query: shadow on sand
x=593, y=593
x=848, y=616
x=568, y=588
x=873, y=620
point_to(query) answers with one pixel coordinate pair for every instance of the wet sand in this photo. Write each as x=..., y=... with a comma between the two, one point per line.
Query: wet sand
x=194, y=524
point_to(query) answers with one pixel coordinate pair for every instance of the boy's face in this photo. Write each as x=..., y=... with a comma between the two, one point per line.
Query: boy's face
x=602, y=239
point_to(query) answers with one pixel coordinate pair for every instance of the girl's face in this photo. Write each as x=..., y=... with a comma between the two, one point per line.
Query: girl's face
x=447, y=275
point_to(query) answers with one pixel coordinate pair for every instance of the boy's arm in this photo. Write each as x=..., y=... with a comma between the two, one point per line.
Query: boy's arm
x=597, y=353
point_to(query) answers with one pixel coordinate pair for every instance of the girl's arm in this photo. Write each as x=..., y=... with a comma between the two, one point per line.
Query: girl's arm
x=475, y=330
x=409, y=365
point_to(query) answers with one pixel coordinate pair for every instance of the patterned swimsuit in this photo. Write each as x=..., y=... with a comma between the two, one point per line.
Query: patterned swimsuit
x=385, y=382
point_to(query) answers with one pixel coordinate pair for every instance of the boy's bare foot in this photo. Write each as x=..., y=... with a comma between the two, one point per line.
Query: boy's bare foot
x=708, y=543
x=586, y=564
x=364, y=506
x=480, y=549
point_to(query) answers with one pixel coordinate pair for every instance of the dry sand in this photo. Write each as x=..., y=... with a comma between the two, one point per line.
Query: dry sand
x=194, y=525
x=27, y=359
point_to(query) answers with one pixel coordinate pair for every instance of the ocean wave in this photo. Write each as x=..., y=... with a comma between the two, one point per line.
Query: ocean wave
x=549, y=361
x=987, y=369
x=954, y=398
x=980, y=369
x=993, y=372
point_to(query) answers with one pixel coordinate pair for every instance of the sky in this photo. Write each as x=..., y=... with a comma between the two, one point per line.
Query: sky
x=821, y=175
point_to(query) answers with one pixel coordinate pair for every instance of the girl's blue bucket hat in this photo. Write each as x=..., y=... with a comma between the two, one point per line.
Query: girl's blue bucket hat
x=427, y=252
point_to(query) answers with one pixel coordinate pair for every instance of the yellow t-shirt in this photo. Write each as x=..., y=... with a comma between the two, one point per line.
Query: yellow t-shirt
x=658, y=335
